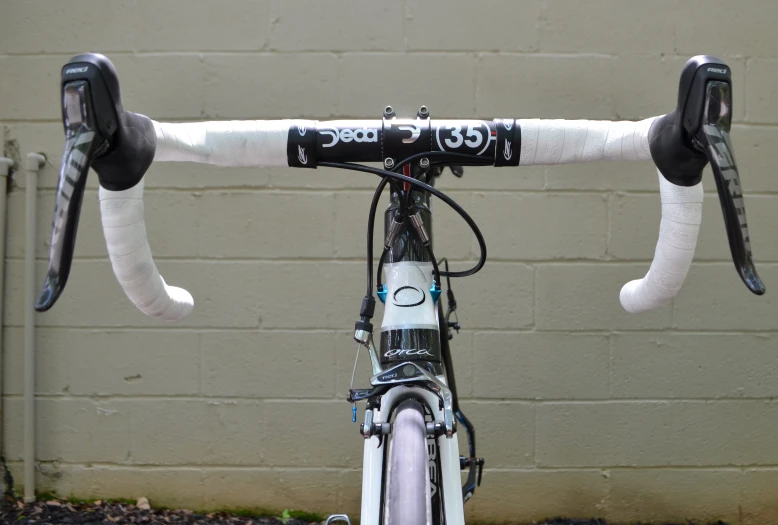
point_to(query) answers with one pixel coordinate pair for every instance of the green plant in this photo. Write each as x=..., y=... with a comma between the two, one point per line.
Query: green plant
x=46, y=496
x=305, y=516
x=120, y=501
x=301, y=515
x=79, y=501
x=285, y=516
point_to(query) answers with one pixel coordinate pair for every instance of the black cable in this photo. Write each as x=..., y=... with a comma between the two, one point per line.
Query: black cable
x=380, y=266
x=370, y=232
x=443, y=164
x=437, y=193
x=435, y=270
x=448, y=278
x=370, y=225
x=428, y=247
x=406, y=198
x=474, y=161
x=452, y=305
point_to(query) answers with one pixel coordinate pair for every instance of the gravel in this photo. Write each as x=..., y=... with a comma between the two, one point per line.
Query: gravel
x=109, y=513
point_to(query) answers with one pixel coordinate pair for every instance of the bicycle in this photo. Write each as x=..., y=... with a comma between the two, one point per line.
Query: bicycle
x=411, y=456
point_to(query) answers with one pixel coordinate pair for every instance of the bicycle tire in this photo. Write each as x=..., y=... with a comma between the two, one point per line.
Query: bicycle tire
x=407, y=492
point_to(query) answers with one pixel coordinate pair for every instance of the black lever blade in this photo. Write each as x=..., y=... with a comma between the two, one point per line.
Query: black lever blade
x=90, y=107
x=714, y=135
x=696, y=133
x=81, y=144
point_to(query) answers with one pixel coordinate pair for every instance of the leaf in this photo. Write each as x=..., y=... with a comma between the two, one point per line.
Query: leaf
x=285, y=516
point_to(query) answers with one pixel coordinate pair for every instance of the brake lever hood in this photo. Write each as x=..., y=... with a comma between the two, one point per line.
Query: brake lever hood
x=91, y=108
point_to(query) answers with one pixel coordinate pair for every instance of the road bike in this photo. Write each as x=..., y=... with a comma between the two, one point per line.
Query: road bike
x=412, y=466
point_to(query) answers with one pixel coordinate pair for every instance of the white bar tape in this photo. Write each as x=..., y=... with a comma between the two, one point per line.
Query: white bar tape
x=263, y=143
x=225, y=143
x=128, y=248
x=570, y=141
x=678, y=232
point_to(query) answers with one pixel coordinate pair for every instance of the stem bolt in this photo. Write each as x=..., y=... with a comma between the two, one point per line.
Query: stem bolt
x=424, y=162
x=388, y=163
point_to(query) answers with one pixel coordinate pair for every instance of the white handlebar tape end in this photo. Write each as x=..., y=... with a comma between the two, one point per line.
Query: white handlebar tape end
x=133, y=265
x=678, y=232
x=183, y=301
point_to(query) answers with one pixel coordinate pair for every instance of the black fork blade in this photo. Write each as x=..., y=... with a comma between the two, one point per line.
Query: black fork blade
x=80, y=146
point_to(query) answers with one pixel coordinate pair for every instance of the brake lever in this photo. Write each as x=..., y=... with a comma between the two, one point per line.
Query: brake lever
x=119, y=146
x=697, y=132
x=90, y=119
x=713, y=135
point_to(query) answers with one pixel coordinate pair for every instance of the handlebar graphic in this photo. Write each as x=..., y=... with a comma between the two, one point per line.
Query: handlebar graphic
x=120, y=146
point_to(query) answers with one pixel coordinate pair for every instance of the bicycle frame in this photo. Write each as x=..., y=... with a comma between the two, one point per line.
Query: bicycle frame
x=410, y=333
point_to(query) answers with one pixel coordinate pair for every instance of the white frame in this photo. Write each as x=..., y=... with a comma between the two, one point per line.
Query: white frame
x=417, y=275
x=373, y=461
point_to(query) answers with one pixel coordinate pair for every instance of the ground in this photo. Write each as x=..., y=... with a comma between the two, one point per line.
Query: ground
x=122, y=512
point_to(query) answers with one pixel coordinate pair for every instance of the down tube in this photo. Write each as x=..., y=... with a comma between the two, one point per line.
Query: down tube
x=373, y=462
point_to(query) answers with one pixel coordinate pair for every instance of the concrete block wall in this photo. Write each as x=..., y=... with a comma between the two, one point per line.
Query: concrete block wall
x=581, y=409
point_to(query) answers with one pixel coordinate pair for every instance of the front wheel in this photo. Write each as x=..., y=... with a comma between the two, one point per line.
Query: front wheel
x=407, y=492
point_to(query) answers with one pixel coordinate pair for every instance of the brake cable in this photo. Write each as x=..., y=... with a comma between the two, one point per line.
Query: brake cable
x=370, y=225
x=452, y=305
x=426, y=187
x=435, y=270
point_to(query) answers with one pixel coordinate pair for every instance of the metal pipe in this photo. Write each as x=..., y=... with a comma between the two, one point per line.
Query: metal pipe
x=5, y=166
x=32, y=165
